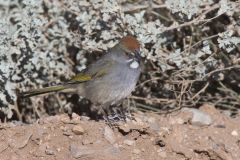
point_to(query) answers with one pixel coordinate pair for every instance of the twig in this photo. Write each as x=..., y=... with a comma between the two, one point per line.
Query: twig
x=149, y=80
x=161, y=16
x=199, y=92
x=156, y=100
x=133, y=8
x=218, y=70
x=26, y=141
x=191, y=46
x=4, y=149
x=197, y=20
x=233, y=93
x=146, y=107
x=155, y=110
x=206, y=75
x=15, y=107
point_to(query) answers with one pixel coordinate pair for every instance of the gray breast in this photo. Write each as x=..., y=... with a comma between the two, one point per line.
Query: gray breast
x=116, y=85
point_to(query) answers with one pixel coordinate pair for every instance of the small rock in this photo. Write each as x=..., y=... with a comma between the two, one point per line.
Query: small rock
x=63, y=128
x=67, y=133
x=78, y=130
x=234, y=133
x=151, y=120
x=84, y=118
x=109, y=135
x=21, y=141
x=65, y=120
x=80, y=151
x=125, y=128
x=179, y=121
x=49, y=152
x=111, y=150
x=87, y=141
x=136, y=151
x=75, y=118
x=144, y=136
x=154, y=126
x=160, y=143
x=129, y=142
x=162, y=154
x=199, y=118
x=227, y=112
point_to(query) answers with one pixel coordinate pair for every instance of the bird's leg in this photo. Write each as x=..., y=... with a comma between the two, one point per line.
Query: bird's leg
x=110, y=122
x=103, y=113
x=117, y=113
x=127, y=107
x=121, y=111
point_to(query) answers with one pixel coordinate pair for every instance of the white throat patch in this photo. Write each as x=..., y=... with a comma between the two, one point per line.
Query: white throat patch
x=134, y=64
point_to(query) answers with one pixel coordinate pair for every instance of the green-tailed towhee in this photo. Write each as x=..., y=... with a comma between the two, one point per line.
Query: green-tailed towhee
x=108, y=80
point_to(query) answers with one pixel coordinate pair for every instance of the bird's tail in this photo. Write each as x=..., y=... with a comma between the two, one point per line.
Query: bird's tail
x=35, y=92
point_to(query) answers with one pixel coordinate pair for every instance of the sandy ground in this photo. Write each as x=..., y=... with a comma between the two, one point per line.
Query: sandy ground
x=188, y=134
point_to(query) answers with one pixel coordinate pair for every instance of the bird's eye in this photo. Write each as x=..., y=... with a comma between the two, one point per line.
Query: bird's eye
x=128, y=53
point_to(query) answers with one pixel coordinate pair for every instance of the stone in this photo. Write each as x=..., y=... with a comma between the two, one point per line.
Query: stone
x=109, y=135
x=78, y=130
x=80, y=151
x=49, y=151
x=199, y=118
x=129, y=142
x=136, y=151
x=234, y=133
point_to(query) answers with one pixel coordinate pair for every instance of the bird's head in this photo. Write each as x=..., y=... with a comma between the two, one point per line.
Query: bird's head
x=130, y=46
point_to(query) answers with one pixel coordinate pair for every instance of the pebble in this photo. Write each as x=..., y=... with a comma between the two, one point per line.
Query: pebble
x=144, y=136
x=179, y=121
x=87, y=141
x=160, y=143
x=65, y=120
x=75, y=116
x=78, y=130
x=154, y=126
x=67, y=133
x=162, y=154
x=199, y=118
x=234, y=133
x=109, y=135
x=75, y=119
x=49, y=152
x=125, y=128
x=80, y=151
x=136, y=151
x=151, y=120
x=129, y=142
x=85, y=118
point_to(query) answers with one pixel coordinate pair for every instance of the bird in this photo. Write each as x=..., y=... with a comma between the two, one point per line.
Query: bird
x=107, y=81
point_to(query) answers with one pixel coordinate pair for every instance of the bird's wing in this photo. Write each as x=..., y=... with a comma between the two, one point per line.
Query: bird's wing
x=94, y=71
x=81, y=77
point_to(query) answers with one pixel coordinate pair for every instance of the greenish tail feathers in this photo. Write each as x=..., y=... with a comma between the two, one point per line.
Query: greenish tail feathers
x=35, y=92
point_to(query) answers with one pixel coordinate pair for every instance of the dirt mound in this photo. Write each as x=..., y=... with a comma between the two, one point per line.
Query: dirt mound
x=188, y=134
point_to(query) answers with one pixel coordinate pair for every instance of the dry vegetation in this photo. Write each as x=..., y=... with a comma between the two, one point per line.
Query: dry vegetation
x=191, y=51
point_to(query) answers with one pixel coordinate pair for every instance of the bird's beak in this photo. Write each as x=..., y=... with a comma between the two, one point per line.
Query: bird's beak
x=138, y=55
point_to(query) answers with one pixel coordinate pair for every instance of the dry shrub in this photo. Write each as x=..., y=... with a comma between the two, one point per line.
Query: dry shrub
x=191, y=51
